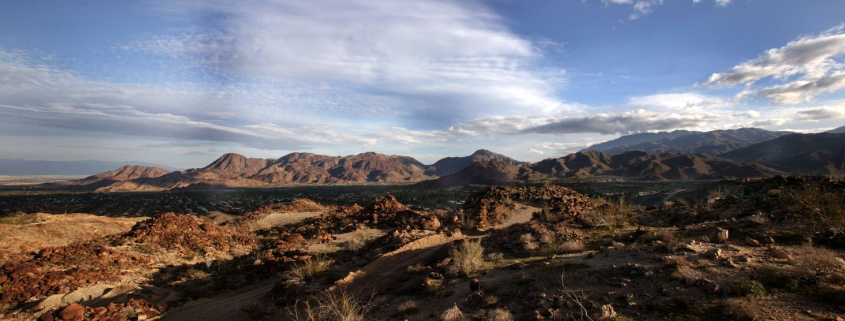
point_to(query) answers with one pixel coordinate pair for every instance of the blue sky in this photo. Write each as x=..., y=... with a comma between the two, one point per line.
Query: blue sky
x=182, y=82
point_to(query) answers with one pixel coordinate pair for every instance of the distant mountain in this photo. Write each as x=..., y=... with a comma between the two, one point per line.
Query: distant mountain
x=234, y=170
x=450, y=165
x=20, y=167
x=125, y=173
x=712, y=143
x=592, y=165
x=634, y=139
x=797, y=153
x=840, y=130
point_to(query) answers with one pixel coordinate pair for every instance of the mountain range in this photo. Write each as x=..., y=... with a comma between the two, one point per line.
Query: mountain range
x=21, y=167
x=712, y=143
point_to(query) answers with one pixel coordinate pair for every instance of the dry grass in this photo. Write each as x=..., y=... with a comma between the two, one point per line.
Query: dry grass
x=255, y=309
x=407, y=307
x=819, y=265
x=836, y=174
x=615, y=212
x=497, y=314
x=746, y=309
x=529, y=243
x=453, y=314
x=309, y=268
x=356, y=243
x=20, y=218
x=330, y=306
x=819, y=208
x=466, y=221
x=468, y=257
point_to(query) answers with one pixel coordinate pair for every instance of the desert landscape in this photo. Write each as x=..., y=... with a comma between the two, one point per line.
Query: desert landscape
x=437, y=160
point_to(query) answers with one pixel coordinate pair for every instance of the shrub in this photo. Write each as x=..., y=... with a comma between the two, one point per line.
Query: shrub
x=497, y=314
x=836, y=174
x=819, y=208
x=819, y=265
x=20, y=218
x=529, y=243
x=468, y=257
x=309, y=268
x=615, y=213
x=407, y=307
x=330, y=306
x=255, y=309
x=453, y=314
x=356, y=243
x=747, y=288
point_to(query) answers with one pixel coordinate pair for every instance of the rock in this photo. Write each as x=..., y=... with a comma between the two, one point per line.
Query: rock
x=715, y=254
x=779, y=253
x=474, y=285
x=712, y=288
x=73, y=312
x=606, y=312
x=752, y=242
x=718, y=235
x=431, y=224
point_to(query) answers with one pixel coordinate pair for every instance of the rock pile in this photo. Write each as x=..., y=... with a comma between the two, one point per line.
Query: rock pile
x=492, y=206
x=61, y=269
x=188, y=233
x=132, y=310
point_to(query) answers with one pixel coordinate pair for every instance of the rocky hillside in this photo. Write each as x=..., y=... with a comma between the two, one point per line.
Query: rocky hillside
x=710, y=143
x=591, y=165
x=451, y=165
x=799, y=153
x=634, y=139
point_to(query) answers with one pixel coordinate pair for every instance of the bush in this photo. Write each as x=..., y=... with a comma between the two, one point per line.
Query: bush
x=453, y=314
x=330, y=306
x=309, y=268
x=819, y=265
x=20, y=218
x=820, y=208
x=836, y=174
x=747, y=288
x=468, y=257
x=616, y=212
x=407, y=307
x=356, y=243
x=255, y=309
x=497, y=314
x=529, y=243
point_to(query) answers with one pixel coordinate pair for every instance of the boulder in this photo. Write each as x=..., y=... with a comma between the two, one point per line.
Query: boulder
x=73, y=312
x=718, y=235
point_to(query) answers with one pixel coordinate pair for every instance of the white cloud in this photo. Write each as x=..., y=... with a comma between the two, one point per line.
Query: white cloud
x=536, y=151
x=808, y=67
x=723, y=3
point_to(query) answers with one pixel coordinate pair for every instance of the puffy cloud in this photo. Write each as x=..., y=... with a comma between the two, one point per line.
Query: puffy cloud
x=822, y=113
x=808, y=67
x=536, y=151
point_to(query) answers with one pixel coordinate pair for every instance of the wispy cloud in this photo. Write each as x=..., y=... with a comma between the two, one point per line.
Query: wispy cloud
x=806, y=67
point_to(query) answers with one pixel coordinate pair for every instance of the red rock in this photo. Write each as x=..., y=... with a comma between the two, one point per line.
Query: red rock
x=73, y=312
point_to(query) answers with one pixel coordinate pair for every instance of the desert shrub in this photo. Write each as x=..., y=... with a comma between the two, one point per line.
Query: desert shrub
x=820, y=208
x=407, y=307
x=466, y=221
x=836, y=174
x=746, y=288
x=356, y=243
x=468, y=257
x=330, y=306
x=453, y=314
x=20, y=218
x=615, y=212
x=748, y=309
x=819, y=265
x=571, y=247
x=309, y=268
x=529, y=243
x=255, y=309
x=194, y=274
x=497, y=314
x=432, y=286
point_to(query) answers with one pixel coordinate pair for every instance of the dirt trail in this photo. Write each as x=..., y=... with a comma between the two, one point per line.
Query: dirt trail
x=521, y=214
x=225, y=306
x=389, y=268
x=276, y=219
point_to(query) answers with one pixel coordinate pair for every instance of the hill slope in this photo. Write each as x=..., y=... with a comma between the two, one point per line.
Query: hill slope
x=710, y=143
x=19, y=167
x=450, y=165
x=634, y=139
x=799, y=153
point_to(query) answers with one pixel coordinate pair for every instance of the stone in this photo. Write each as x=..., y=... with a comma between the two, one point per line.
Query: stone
x=712, y=288
x=718, y=235
x=431, y=224
x=475, y=285
x=606, y=312
x=716, y=254
x=752, y=242
x=73, y=312
x=779, y=253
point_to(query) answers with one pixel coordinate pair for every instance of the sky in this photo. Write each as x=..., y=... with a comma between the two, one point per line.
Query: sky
x=180, y=83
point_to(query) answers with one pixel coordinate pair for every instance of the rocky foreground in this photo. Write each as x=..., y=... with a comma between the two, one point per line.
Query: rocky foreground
x=765, y=249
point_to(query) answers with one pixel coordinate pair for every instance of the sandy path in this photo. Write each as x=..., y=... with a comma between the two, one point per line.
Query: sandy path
x=276, y=219
x=521, y=214
x=225, y=306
